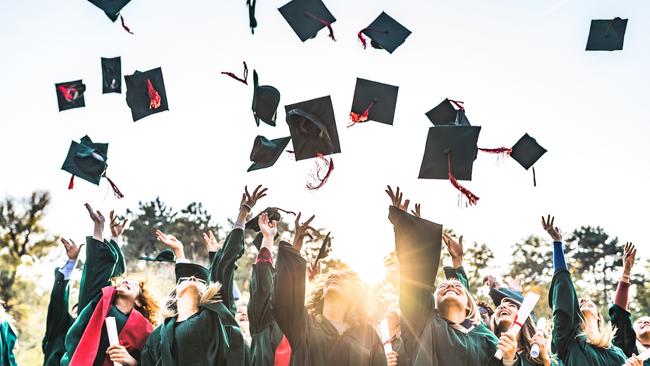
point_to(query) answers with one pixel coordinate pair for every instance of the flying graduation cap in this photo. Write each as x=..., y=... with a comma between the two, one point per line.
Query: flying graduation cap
x=526, y=151
x=145, y=93
x=384, y=33
x=606, y=34
x=111, y=75
x=265, y=102
x=252, y=22
x=449, y=153
x=448, y=112
x=324, y=249
x=253, y=224
x=308, y=17
x=70, y=95
x=112, y=9
x=88, y=161
x=266, y=152
x=373, y=101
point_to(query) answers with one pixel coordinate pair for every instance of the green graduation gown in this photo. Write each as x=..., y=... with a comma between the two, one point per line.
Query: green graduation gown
x=625, y=337
x=7, y=342
x=224, y=264
x=58, y=321
x=568, y=342
x=429, y=339
x=314, y=340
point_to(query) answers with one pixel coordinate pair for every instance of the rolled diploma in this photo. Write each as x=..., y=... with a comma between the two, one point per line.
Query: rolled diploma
x=385, y=336
x=111, y=329
x=541, y=325
x=524, y=312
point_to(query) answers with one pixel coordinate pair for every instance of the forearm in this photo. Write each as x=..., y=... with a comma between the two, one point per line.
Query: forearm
x=457, y=262
x=559, y=261
x=241, y=216
x=98, y=232
x=622, y=291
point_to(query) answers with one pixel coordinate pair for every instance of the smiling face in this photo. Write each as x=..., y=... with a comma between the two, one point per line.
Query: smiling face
x=642, y=329
x=451, y=293
x=587, y=307
x=193, y=284
x=505, y=314
x=128, y=289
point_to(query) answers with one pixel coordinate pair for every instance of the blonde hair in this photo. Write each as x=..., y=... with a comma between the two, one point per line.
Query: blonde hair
x=472, y=313
x=600, y=337
x=211, y=295
x=356, y=314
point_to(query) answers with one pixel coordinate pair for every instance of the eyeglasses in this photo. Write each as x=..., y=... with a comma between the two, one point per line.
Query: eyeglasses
x=198, y=280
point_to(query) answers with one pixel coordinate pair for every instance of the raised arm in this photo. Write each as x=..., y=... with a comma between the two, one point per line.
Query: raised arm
x=455, y=249
x=562, y=295
x=260, y=314
x=625, y=336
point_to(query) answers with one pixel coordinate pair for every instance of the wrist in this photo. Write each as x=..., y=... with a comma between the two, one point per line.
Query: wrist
x=267, y=241
x=457, y=262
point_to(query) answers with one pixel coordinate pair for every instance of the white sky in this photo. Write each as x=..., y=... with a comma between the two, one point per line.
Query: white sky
x=518, y=68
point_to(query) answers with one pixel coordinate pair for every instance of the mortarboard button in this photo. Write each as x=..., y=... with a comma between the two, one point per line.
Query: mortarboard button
x=384, y=33
x=308, y=17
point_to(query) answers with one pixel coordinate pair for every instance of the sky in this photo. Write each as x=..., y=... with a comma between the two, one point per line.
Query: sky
x=520, y=67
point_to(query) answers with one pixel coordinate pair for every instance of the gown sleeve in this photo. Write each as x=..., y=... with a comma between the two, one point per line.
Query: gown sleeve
x=260, y=313
x=58, y=319
x=625, y=336
x=224, y=265
x=100, y=265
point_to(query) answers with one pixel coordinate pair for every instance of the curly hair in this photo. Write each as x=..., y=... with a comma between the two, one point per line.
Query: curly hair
x=357, y=312
x=148, y=305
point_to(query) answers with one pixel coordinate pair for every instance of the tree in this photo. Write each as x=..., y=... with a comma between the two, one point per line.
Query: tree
x=22, y=237
x=477, y=262
x=532, y=260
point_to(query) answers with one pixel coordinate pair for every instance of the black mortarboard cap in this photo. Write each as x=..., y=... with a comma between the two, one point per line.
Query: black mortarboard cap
x=307, y=17
x=606, y=34
x=192, y=270
x=111, y=7
x=111, y=75
x=456, y=143
x=499, y=294
x=253, y=224
x=377, y=98
x=166, y=255
x=70, y=94
x=87, y=160
x=266, y=152
x=527, y=151
x=448, y=112
x=265, y=102
x=145, y=93
x=324, y=248
x=313, y=128
x=385, y=32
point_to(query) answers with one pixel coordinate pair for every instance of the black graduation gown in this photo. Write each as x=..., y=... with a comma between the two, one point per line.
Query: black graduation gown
x=625, y=337
x=58, y=322
x=314, y=340
x=223, y=266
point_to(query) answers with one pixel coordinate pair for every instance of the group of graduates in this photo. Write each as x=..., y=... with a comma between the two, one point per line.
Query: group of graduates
x=297, y=316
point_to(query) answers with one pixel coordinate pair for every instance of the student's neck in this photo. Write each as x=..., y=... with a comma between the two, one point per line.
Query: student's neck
x=123, y=305
x=591, y=322
x=334, y=311
x=186, y=306
x=452, y=314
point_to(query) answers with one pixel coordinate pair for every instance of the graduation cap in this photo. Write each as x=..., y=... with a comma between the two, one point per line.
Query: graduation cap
x=373, y=101
x=526, y=152
x=266, y=152
x=145, y=93
x=324, y=248
x=192, y=270
x=265, y=102
x=308, y=17
x=253, y=224
x=88, y=161
x=111, y=75
x=313, y=128
x=252, y=22
x=606, y=34
x=166, y=255
x=449, y=153
x=70, y=94
x=384, y=33
x=448, y=112
x=499, y=294
x=112, y=9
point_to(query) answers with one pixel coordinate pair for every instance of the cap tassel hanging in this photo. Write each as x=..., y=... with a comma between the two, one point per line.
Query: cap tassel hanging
x=124, y=25
x=363, y=117
x=232, y=75
x=252, y=22
x=534, y=178
x=323, y=22
x=364, y=42
x=501, y=152
x=116, y=190
x=320, y=181
x=472, y=199
x=458, y=104
x=70, y=93
x=71, y=184
x=154, y=97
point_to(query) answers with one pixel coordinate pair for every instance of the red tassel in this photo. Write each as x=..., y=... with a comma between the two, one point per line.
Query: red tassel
x=358, y=118
x=116, y=190
x=232, y=75
x=534, y=178
x=69, y=92
x=471, y=197
x=71, y=184
x=320, y=181
x=124, y=25
x=501, y=152
x=154, y=97
x=285, y=211
x=364, y=43
x=323, y=22
x=458, y=104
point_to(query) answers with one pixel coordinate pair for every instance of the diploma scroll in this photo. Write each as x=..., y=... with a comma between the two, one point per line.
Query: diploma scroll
x=524, y=312
x=111, y=329
x=385, y=336
x=541, y=325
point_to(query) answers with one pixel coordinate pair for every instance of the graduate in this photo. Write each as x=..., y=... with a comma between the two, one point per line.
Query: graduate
x=330, y=327
x=632, y=339
x=128, y=302
x=8, y=337
x=200, y=327
x=580, y=334
x=446, y=328
x=59, y=318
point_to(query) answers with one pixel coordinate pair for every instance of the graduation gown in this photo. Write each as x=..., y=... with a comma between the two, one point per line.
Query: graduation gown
x=314, y=340
x=59, y=321
x=625, y=337
x=428, y=338
x=567, y=341
x=7, y=342
x=223, y=265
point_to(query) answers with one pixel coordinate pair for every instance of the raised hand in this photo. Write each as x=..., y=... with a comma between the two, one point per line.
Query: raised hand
x=172, y=243
x=249, y=200
x=455, y=249
x=301, y=231
x=99, y=220
x=268, y=228
x=416, y=212
x=551, y=229
x=396, y=198
x=210, y=241
x=629, y=255
x=491, y=282
x=71, y=248
x=117, y=228
x=633, y=361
